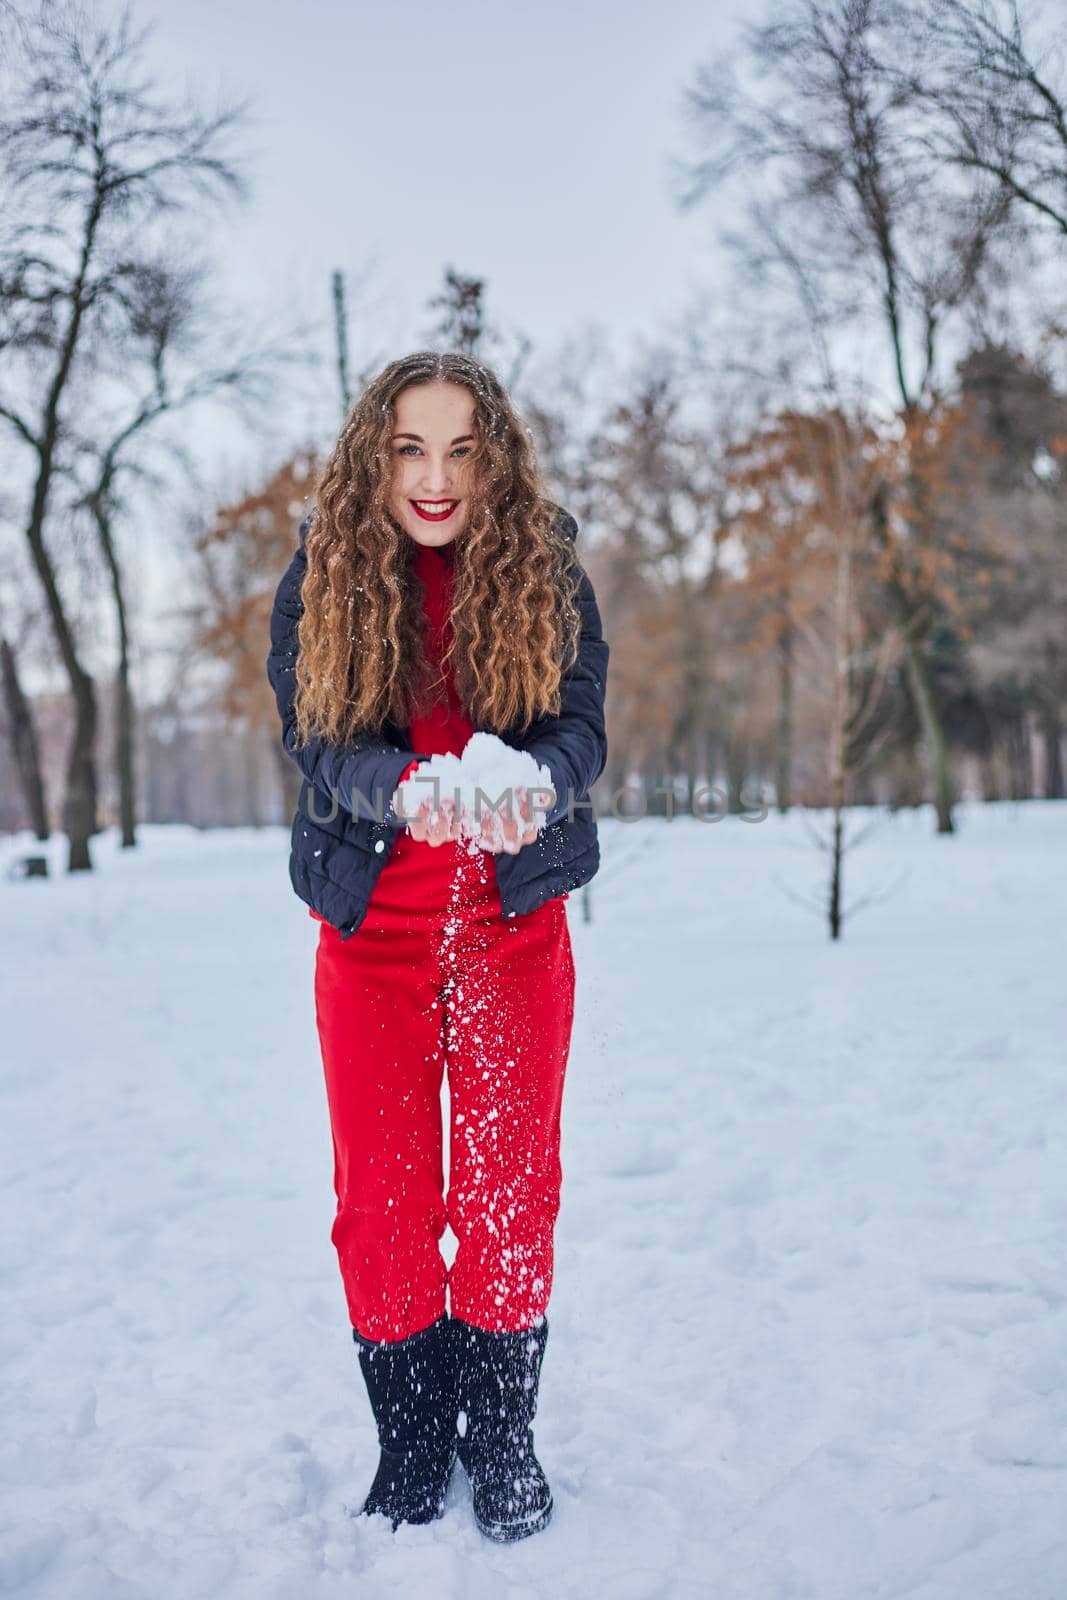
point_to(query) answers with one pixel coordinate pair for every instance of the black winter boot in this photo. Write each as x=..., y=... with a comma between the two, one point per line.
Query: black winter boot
x=412, y=1387
x=498, y=1381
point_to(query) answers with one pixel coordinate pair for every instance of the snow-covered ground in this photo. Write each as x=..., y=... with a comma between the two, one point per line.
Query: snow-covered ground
x=808, y=1332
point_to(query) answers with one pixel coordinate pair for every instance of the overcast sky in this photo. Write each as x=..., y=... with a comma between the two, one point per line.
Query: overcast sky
x=526, y=144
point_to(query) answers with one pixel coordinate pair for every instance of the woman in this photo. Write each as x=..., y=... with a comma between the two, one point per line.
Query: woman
x=436, y=593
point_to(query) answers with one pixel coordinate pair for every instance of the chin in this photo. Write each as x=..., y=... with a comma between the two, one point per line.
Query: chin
x=432, y=533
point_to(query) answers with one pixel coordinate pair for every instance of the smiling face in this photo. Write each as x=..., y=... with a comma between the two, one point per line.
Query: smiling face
x=432, y=438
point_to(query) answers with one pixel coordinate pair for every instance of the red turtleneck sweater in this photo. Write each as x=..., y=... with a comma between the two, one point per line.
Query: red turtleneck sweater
x=419, y=876
x=443, y=731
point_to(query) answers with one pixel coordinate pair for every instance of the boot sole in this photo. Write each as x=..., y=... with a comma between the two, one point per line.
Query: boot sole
x=413, y=1522
x=508, y=1532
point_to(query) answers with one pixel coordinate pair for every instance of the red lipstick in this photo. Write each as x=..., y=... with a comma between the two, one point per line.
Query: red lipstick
x=438, y=516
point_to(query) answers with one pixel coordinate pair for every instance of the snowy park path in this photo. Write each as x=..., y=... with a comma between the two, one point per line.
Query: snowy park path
x=808, y=1332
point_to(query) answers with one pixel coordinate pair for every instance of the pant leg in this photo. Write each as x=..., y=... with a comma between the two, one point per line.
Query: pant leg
x=509, y=1012
x=379, y=1013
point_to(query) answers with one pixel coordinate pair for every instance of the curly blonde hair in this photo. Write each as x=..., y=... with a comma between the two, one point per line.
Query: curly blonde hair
x=514, y=620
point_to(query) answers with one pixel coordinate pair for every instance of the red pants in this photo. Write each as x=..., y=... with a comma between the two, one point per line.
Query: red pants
x=418, y=988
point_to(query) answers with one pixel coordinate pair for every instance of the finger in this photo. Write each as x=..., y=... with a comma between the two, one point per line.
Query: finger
x=449, y=822
x=425, y=822
x=512, y=841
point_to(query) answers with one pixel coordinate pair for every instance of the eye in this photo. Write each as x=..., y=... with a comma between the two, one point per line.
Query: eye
x=461, y=450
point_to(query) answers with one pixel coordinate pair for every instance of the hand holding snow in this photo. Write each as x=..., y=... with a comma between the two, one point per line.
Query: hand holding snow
x=483, y=788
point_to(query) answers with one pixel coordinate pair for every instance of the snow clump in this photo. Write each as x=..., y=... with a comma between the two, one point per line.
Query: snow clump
x=451, y=785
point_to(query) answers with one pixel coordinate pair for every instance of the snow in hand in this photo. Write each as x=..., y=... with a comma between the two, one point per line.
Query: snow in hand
x=486, y=784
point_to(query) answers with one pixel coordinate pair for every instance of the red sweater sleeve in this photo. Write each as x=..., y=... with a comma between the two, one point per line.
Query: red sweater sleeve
x=411, y=767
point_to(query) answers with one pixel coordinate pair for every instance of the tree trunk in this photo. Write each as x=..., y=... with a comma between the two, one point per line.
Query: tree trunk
x=250, y=755
x=906, y=781
x=655, y=801
x=100, y=505
x=124, y=739
x=79, y=806
x=685, y=733
x=936, y=745
x=1020, y=765
x=736, y=773
x=988, y=769
x=1052, y=739
x=783, y=744
x=863, y=789
x=934, y=740
x=24, y=742
x=840, y=717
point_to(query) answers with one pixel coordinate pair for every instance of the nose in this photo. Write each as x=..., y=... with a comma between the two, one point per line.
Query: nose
x=436, y=478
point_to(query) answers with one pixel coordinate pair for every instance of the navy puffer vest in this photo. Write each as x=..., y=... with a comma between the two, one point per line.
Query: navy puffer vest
x=344, y=828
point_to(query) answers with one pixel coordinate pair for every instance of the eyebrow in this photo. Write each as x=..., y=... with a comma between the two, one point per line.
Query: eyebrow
x=418, y=436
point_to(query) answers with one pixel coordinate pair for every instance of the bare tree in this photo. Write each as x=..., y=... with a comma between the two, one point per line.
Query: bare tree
x=654, y=478
x=1006, y=464
x=996, y=103
x=845, y=460
x=91, y=160
x=835, y=133
x=804, y=481
x=168, y=370
x=462, y=324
